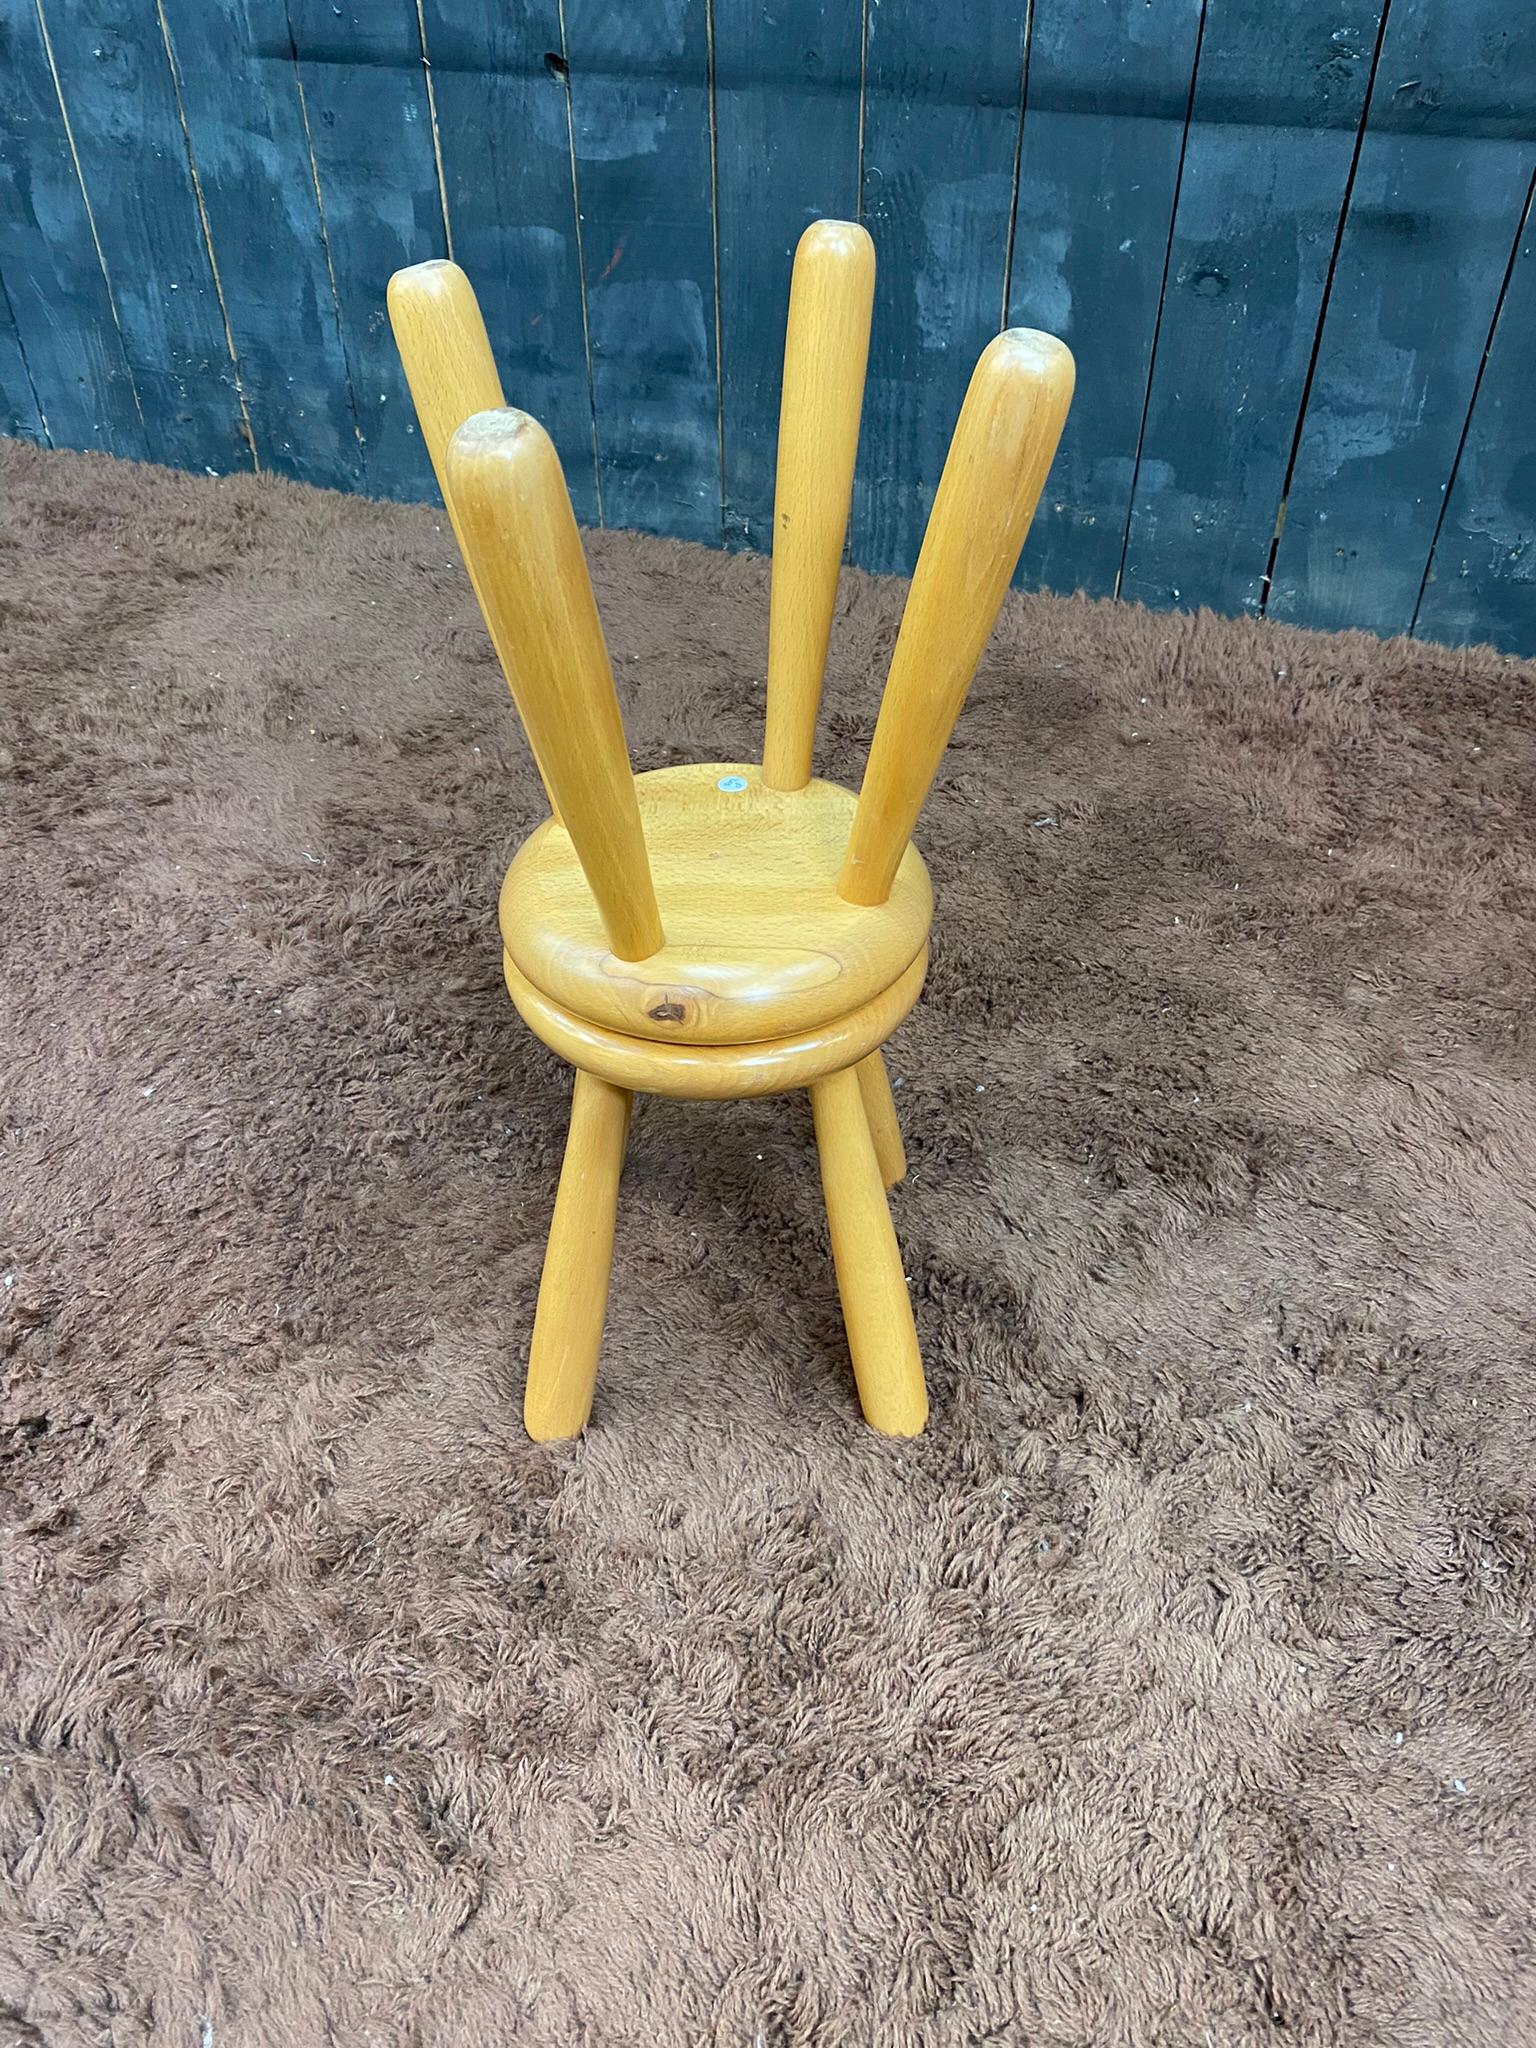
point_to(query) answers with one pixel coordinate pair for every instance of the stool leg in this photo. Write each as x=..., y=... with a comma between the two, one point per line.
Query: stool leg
x=880, y=1108
x=876, y=1310
x=573, y=1294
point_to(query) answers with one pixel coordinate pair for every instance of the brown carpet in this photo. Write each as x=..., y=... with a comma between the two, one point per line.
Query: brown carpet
x=1178, y=1687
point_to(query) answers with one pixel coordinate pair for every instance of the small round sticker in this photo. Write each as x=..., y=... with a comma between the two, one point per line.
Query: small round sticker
x=731, y=783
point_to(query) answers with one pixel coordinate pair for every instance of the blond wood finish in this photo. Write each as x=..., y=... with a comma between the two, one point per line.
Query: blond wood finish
x=876, y=1309
x=759, y=943
x=445, y=354
x=1002, y=448
x=880, y=1109
x=721, y=930
x=448, y=365
x=826, y=348
x=519, y=536
x=573, y=1293
x=715, y=1073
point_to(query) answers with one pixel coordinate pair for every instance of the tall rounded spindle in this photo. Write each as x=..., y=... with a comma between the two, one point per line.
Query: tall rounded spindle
x=573, y=1293
x=825, y=351
x=877, y=1309
x=1003, y=443
x=519, y=536
x=446, y=356
x=444, y=352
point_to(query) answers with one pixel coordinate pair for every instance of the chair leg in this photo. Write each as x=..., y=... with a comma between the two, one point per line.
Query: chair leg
x=880, y=1108
x=573, y=1294
x=876, y=1310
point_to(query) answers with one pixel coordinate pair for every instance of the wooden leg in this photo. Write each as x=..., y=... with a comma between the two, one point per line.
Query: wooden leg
x=573, y=1294
x=876, y=1309
x=880, y=1108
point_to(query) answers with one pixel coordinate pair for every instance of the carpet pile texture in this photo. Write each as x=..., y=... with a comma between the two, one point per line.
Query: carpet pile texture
x=1178, y=1687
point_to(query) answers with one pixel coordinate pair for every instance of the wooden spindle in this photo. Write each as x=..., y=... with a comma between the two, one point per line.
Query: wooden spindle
x=573, y=1293
x=445, y=353
x=519, y=536
x=826, y=348
x=877, y=1309
x=880, y=1109
x=1003, y=444
x=446, y=356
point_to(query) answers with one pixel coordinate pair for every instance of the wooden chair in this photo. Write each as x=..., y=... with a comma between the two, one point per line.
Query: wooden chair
x=729, y=929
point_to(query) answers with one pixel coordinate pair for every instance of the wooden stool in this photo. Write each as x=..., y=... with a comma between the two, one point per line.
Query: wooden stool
x=726, y=929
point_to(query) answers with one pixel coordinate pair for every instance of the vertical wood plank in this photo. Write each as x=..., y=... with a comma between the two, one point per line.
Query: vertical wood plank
x=505, y=138
x=787, y=151
x=639, y=82
x=1278, y=104
x=941, y=124
x=1482, y=581
x=59, y=297
x=19, y=414
x=370, y=126
x=1438, y=193
x=117, y=87
x=1104, y=113
x=245, y=129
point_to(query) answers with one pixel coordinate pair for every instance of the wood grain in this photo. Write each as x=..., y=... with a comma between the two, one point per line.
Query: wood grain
x=445, y=353
x=877, y=1311
x=246, y=134
x=450, y=372
x=787, y=102
x=1482, y=581
x=506, y=151
x=520, y=541
x=1002, y=448
x=715, y=1073
x=370, y=128
x=1263, y=186
x=639, y=81
x=880, y=1109
x=1105, y=102
x=759, y=943
x=573, y=1291
x=825, y=349
x=19, y=413
x=59, y=298
x=941, y=123
x=117, y=86
x=1444, y=172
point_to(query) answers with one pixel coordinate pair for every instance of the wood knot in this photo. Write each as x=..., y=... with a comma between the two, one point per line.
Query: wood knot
x=667, y=1013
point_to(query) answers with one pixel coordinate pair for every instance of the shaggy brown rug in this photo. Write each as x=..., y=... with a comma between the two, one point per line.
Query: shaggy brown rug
x=1177, y=1687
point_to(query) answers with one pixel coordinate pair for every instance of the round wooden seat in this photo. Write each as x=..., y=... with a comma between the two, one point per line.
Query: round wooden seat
x=759, y=945
x=717, y=1073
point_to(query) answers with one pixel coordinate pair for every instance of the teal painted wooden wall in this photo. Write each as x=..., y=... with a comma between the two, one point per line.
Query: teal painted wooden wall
x=1291, y=247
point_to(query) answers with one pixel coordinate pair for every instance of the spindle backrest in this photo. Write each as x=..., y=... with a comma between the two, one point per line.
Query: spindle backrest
x=506, y=498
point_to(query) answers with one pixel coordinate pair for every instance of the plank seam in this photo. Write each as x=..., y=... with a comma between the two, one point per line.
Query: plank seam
x=581, y=263
x=325, y=239
x=85, y=199
x=1018, y=156
x=714, y=226
x=1477, y=385
x=1266, y=582
x=858, y=200
x=207, y=229
x=437, y=140
x=1162, y=295
x=21, y=350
